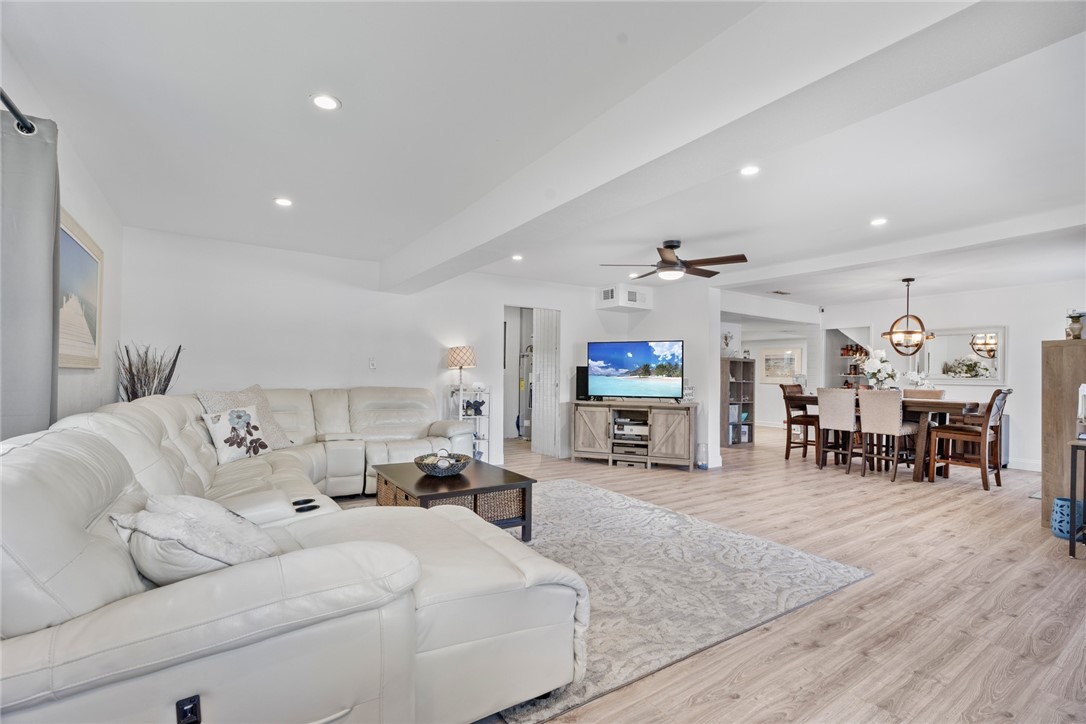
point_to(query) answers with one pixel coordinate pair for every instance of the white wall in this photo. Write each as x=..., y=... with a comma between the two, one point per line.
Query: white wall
x=80, y=390
x=735, y=348
x=1031, y=313
x=690, y=310
x=768, y=399
x=247, y=314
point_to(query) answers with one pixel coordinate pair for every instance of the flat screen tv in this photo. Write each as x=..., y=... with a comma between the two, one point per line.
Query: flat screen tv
x=635, y=369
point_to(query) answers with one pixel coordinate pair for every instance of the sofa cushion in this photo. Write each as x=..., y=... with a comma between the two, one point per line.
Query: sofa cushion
x=180, y=536
x=236, y=432
x=391, y=413
x=379, y=452
x=293, y=410
x=471, y=571
x=252, y=396
x=62, y=557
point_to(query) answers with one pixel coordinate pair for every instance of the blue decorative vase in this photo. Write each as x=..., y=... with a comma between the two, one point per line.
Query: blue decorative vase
x=1061, y=518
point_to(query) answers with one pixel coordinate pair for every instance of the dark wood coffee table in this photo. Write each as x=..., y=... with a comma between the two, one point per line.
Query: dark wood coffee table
x=495, y=494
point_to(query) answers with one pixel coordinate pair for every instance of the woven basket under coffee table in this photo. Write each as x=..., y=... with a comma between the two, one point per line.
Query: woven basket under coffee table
x=495, y=494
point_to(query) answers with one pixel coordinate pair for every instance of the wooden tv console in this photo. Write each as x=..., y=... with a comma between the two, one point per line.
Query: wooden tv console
x=635, y=433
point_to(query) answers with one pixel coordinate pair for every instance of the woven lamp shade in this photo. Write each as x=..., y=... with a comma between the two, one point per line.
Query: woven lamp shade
x=460, y=357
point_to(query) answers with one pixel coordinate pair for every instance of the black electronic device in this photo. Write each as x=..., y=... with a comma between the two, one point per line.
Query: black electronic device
x=582, y=383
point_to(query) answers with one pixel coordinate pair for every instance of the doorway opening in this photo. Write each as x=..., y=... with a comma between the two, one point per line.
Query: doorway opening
x=530, y=378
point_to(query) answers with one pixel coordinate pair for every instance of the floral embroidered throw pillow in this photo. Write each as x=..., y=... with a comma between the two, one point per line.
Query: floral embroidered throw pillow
x=236, y=433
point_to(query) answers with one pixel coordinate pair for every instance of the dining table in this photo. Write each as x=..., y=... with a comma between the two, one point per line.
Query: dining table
x=926, y=409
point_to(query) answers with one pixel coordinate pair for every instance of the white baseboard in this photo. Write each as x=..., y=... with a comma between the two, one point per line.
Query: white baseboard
x=778, y=425
x=1020, y=464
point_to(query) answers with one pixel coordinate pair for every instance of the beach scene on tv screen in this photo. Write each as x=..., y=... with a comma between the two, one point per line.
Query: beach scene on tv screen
x=635, y=369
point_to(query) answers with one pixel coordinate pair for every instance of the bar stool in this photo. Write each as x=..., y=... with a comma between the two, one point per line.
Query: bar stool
x=985, y=436
x=881, y=417
x=796, y=414
x=837, y=414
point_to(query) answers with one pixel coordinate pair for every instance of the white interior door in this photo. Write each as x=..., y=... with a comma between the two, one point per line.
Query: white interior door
x=545, y=382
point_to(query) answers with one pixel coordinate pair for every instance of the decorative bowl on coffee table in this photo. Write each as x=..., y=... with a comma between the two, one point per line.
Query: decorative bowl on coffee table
x=442, y=466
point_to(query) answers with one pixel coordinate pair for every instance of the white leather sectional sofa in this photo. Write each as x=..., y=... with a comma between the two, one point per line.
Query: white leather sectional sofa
x=368, y=614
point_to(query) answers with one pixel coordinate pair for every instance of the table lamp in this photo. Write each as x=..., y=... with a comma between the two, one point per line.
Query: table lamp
x=459, y=358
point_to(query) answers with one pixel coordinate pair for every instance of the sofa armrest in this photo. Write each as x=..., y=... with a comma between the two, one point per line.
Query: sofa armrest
x=451, y=428
x=262, y=506
x=215, y=612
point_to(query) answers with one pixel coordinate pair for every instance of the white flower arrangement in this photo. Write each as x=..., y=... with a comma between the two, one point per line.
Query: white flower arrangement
x=971, y=367
x=920, y=380
x=879, y=372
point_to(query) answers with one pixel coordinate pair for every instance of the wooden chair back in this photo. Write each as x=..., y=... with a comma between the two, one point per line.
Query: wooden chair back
x=793, y=408
x=994, y=412
x=919, y=394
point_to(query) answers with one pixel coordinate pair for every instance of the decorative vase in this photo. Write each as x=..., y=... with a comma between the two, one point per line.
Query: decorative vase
x=1061, y=518
x=1074, y=329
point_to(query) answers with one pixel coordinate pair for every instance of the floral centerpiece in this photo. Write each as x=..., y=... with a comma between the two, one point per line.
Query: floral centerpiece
x=880, y=373
x=920, y=380
x=969, y=367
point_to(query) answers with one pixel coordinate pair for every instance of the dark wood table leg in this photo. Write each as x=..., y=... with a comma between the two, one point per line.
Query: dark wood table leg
x=526, y=529
x=921, y=447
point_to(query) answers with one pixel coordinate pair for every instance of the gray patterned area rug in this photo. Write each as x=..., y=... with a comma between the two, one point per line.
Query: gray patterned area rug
x=663, y=585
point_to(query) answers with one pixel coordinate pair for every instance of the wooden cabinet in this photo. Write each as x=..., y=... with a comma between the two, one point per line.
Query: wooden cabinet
x=591, y=429
x=635, y=433
x=737, y=405
x=670, y=434
x=1063, y=369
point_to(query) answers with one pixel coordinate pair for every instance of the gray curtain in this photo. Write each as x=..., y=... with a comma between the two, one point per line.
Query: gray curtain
x=30, y=223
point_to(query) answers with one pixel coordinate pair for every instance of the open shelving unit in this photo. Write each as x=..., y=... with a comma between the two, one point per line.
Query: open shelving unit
x=737, y=410
x=481, y=445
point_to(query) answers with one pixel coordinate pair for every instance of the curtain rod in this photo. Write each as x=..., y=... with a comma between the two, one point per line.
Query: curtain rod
x=21, y=121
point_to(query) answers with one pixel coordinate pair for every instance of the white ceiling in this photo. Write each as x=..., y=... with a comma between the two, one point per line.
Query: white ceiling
x=583, y=133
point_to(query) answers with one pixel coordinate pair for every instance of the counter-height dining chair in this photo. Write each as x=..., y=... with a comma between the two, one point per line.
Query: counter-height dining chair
x=884, y=430
x=837, y=416
x=797, y=414
x=980, y=446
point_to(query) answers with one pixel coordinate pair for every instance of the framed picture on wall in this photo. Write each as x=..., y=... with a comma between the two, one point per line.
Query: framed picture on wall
x=780, y=366
x=79, y=296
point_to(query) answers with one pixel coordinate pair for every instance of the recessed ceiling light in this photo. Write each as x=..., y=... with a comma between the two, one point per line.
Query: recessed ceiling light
x=517, y=257
x=283, y=201
x=326, y=102
x=749, y=170
x=634, y=275
x=878, y=222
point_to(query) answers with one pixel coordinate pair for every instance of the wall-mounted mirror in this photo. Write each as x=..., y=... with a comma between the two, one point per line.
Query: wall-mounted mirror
x=968, y=355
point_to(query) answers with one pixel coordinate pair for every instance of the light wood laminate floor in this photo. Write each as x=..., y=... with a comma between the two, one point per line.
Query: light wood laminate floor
x=975, y=612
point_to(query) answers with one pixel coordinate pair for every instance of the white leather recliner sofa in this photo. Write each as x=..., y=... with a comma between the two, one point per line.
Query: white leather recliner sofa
x=369, y=614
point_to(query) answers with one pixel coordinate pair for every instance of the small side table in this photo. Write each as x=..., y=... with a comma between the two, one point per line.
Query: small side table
x=1077, y=526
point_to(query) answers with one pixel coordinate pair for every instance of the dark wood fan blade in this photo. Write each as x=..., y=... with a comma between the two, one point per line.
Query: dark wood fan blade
x=627, y=265
x=668, y=255
x=733, y=259
x=646, y=274
x=699, y=272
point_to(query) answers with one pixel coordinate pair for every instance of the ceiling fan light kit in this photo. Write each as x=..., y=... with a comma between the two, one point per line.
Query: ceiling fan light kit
x=671, y=267
x=902, y=336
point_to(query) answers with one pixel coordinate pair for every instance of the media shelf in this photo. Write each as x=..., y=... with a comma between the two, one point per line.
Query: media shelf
x=737, y=410
x=635, y=433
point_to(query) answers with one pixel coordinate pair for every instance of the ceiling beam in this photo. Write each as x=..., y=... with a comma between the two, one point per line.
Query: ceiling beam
x=620, y=162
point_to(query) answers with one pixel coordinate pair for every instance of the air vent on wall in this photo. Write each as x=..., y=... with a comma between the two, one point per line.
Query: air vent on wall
x=624, y=298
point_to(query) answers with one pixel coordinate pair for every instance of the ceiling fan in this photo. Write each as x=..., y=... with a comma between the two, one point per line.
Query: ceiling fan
x=672, y=267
